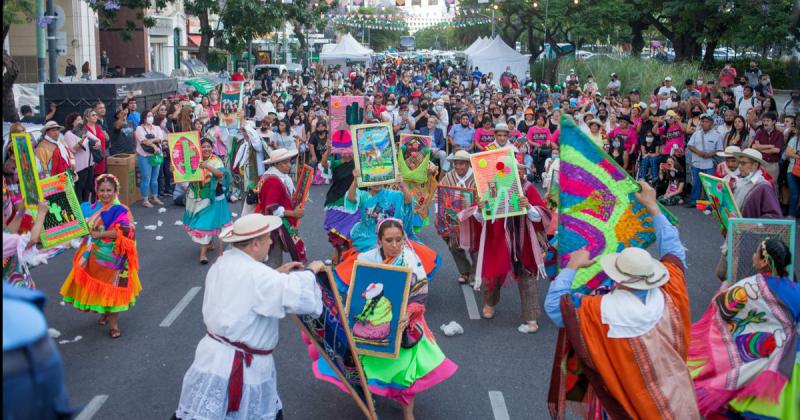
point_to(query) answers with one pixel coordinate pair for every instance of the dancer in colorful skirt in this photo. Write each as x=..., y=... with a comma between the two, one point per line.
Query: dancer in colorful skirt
x=339, y=216
x=207, y=211
x=420, y=364
x=105, y=271
x=374, y=204
x=19, y=250
x=744, y=353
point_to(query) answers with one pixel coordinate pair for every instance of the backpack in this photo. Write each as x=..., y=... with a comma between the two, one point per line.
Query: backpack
x=752, y=101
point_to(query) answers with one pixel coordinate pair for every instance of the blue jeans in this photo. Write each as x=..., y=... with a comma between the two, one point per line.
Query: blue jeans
x=794, y=194
x=697, y=186
x=651, y=164
x=149, y=177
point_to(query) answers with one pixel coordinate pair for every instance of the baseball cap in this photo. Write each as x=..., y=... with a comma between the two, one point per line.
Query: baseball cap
x=634, y=90
x=667, y=79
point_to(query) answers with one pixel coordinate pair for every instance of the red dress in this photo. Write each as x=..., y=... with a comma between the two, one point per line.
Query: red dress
x=99, y=167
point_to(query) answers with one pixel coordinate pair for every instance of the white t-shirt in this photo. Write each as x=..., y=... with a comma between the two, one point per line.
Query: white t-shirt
x=744, y=104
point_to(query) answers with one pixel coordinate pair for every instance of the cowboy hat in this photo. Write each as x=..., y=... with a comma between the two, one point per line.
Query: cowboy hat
x=729, y=151
x=462, y=155
x=279, y=155
x=751, y=154
x=248, y=227
x=595, y=121
x=51, y=125
x=501, y=127
x=635, y=268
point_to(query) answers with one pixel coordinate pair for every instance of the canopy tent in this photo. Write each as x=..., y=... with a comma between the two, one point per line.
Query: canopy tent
x=495, y=56
x=477, y=45
x=348, y=51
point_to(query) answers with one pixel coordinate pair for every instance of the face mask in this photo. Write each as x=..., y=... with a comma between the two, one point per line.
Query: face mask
x=696, y=113
x=486, y=103
x=765, y=82
x=264, y=129
x=296, y=121
x=264, y=100
x=390, y=108
x=198, y=100
x=149, y=120
x=699, y=83
x=615, y=144
x=648, y=140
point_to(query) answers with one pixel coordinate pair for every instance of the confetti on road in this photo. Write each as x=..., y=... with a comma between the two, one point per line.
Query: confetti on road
x=151, y=227
x=75, y=340
x=159, y=223
x=158, y=238
x=162, y=210
x=178, y=223
x=53, y=333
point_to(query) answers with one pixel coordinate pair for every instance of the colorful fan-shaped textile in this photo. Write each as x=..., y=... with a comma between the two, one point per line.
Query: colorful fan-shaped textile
x=597, y=207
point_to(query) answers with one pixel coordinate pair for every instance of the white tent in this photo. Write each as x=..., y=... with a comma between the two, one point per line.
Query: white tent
x=348, y=50
x=495, y=56
x=476, y=46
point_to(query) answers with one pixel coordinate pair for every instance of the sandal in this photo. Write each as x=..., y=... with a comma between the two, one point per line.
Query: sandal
x=529, y=327
x=103, y=321
x=157, y=201
x=488, y=312
x=462, y=279
x=147, y=204
x=115, y=333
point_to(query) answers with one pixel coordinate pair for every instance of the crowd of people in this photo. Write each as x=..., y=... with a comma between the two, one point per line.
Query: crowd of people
x=665, y=138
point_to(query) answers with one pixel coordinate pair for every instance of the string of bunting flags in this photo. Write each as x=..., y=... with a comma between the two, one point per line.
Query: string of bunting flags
x=400, y=23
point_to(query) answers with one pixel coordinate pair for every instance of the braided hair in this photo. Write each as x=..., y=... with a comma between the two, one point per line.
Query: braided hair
x=778, y=254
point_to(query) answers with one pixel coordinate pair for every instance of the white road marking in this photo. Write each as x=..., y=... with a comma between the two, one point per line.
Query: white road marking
x=469, y=298
x=92, y=408
x=498, y=405
x=182, y=304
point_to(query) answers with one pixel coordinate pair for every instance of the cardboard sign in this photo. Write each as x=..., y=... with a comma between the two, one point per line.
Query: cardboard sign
x=722, y=203
x=185, y=154
x=344, y=112
x=451, y=201
x=374, y=154
x=331, y=336
x=27, y=169
x=64, y=220
x=497, y=182
x=376, y=302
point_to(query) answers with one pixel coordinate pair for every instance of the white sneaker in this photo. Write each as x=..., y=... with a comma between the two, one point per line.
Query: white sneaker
x=526, y=328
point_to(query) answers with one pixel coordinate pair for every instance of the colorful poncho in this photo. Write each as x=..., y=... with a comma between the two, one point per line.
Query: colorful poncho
x=105, y=272
x=744, y=351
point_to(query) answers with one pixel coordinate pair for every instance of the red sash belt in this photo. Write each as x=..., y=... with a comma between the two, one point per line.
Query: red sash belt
x=242, y=358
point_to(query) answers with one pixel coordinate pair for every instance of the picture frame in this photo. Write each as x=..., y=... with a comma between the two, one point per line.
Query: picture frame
x=374, y=154
x=331, y=336
x=344, y=112
x=27, y=170
x=379, y=339
x=64, y=220
x=743, y=237
x=304, y=178
x=185, y=156
x=497, y=182
x=414, y=148
x=719, y=194
x=450, y=201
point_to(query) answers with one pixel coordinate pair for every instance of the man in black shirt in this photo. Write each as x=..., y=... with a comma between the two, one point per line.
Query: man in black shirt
x=318, y=142
x=121, y=134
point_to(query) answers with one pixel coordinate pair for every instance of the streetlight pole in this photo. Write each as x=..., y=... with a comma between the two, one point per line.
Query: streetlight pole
x=493, y=8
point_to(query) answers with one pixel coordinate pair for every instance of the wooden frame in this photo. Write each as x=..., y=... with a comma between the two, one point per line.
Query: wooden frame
x=337, y=311
x=397, y=315
x=64, y=220
x=179, y=157
x=443, y=226
x=491, y=168
x=306, y=175
x=721, y=198
x=381, y=153
x=27, y=169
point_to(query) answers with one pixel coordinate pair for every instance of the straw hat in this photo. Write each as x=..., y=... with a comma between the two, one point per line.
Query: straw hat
x=279, y=155
x=729, y=151
x=51, y=125
x=595, y=121
x=461, y=155
x=501, y=127
x=635, y=268
x=751, y=154
x=249, y=227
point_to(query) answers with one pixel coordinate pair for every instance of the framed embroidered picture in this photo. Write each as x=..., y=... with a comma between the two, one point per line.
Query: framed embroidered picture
x=722, y=203
x=230, y=103
x=415, y=152
x=376, y=302
x=27, y=169
x=332, y=339
x=451, y=201
x=64, y=220
x=497, y=183
x=304, y=178
x=344, y=112
x=374, y=154
x=185, y=156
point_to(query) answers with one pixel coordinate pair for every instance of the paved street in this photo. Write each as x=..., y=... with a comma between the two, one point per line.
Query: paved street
x=141, y=372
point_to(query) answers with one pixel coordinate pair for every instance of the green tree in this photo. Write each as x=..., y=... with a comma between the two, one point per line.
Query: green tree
x=438, y=38
x=245, y=20
x=202, y=9
x=14, y=12
x=307, y=14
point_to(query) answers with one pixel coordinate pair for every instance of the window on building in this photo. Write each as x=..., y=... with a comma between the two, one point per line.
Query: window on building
x=433, y=2
x=416, y=2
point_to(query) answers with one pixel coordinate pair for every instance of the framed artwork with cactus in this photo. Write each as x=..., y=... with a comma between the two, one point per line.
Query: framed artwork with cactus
x=345, y=111
x=64, y=220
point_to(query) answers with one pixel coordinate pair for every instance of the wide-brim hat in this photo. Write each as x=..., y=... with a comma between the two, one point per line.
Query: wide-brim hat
x=625, y=118
x=51, y=125
x=248, y=227
x=461, y=155
x=501, y=127
x=279, y=155
x=752, y=154
x=729, y=151
x=635, y=268
x=595, y=121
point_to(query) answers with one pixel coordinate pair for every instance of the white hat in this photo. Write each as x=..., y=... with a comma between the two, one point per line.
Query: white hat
x=752, y=154
x=51, y=125
x=279, y=155
x=248, y=227
x=501, y=127
x=462, y=155
x=729, y=151
x=373, y=290
x=667, y=79
x=635, y=268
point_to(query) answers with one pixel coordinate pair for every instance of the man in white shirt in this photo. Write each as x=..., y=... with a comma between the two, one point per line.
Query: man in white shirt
x=747, y=101
x=614, y=85
x=233, y=374
x=704, y=145
x=590, y=85
x=263, y=107
x=665, y=94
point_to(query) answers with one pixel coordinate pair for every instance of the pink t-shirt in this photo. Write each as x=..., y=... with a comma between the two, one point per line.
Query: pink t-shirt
x=628, y=137
x=484, y=137
x=539, y=135
x=673, y=135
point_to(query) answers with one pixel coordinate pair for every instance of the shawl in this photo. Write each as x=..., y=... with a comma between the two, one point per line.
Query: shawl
x=760, y=202
x=59, y=162
x=272, y=193
x=746, y=342
x=469, y=229
x=641, y=377
x=452, y=178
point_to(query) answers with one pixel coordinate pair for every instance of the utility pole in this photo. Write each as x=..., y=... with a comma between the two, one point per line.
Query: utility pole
x=494, y=7
x=52, y=54
x=40, y=52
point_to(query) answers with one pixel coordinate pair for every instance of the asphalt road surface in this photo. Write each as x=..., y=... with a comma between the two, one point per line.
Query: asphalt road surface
x=502, y=373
